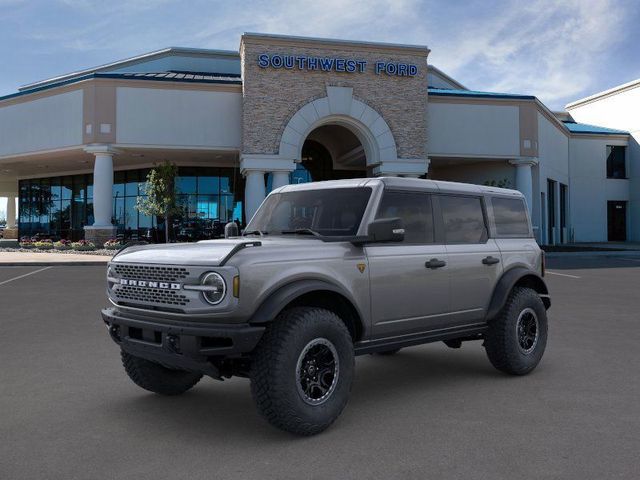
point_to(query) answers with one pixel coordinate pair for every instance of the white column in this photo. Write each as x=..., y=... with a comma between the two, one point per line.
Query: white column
x=102, y=228
x=524, y=179
x=103, y=189
x=280, y=179
x=253, y=166
x=254, y=192
x=11, y=211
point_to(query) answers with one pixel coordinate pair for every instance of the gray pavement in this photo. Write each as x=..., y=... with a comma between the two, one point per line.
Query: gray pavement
x=69, y=412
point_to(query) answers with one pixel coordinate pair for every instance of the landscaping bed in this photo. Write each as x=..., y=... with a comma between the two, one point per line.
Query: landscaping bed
x=101, y=251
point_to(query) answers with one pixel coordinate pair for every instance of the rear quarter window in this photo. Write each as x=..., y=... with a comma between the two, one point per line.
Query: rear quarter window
x=510, y=217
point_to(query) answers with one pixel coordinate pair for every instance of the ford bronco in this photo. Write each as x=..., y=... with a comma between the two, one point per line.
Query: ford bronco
x=325, y=272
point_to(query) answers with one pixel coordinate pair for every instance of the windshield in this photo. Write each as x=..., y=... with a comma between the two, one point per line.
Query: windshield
x=327, y=212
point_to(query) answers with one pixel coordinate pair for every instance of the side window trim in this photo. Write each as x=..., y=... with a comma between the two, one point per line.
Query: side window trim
x=485, y=217
x=438, y=220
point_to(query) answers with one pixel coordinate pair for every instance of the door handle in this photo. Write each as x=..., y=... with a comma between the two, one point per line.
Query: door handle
x=490, y=260
x=435, y=263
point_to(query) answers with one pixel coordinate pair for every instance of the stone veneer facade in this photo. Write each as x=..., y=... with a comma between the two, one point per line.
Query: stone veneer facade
x=272, y=96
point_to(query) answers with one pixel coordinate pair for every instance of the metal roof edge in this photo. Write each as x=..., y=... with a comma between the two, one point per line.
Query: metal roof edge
x=446, y=76
x=235, y=81
x=445, y=92
x=129, y=61
x=604, y=93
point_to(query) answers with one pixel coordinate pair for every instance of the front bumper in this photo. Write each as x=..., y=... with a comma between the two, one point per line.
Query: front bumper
x=178, y=344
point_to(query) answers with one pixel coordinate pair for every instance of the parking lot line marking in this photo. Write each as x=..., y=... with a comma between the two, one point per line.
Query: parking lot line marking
x=630, y=259
x=25, y=275
x=563, y=274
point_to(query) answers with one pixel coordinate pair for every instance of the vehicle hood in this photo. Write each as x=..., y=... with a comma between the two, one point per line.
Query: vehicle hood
x=208, y=252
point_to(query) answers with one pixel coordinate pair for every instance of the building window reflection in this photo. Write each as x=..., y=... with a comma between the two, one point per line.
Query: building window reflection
x=61, y=207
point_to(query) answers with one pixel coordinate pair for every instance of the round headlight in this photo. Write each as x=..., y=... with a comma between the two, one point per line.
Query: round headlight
x=216, y=288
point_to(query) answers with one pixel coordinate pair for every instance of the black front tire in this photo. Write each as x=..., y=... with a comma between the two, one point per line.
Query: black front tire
x=517, y=337
x=280, y=369
x=156, y=378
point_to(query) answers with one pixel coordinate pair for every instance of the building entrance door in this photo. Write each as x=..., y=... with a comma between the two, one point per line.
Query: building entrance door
x=331, y=152
x=617, y=221
x=551, y=212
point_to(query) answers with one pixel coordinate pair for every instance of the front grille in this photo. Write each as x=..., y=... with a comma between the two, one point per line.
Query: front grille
x=160, y=274
x=135, y=294
x=150, y=295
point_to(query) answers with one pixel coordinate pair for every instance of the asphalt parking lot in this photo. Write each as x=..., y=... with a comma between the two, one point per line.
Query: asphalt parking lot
x=68, y=411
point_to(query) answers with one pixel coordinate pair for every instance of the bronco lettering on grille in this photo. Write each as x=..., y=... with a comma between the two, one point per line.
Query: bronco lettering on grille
x=151, y=284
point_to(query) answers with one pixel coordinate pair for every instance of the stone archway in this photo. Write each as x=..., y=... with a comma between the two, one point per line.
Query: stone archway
x=337, y=108
x=340, y=108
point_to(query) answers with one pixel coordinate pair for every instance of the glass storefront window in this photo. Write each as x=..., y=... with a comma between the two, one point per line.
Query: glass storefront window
x=118, y=184
x=186, y=184
x=60, y=207
x=131, y=214
x=131, y=187
x=67, y=188
x=208, y=185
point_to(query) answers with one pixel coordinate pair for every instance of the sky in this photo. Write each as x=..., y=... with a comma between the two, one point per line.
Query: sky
x=557, y=50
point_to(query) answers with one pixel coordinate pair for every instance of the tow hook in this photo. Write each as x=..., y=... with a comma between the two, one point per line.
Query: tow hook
x=114, y=331
x=173, y=343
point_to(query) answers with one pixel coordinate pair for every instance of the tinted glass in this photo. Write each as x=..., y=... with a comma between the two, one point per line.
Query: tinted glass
x=330, y=212
x=186, y=184
x=131, y=187
x=61, y=206
x=415, y=211
x=510, y=217
x=118, y=184
x=616, y=167
x=463, y=219
x=208, y=185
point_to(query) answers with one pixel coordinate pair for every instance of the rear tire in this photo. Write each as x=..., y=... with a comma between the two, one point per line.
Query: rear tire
x=156, y=378
x=517, y=337
x=302, y=370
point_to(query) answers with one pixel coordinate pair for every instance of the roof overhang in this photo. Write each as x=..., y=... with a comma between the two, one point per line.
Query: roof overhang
x=145, y=57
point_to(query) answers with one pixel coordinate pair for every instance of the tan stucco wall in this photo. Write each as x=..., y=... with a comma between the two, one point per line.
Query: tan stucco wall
x=271, y=96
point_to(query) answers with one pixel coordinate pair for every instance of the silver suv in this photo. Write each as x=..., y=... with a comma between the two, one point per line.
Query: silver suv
x=327, y=271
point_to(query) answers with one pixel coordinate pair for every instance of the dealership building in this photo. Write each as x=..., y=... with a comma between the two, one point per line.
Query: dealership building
x=75, y=149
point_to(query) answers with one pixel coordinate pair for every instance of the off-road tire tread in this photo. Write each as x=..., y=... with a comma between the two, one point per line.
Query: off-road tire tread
x=498, y=339
x=156, y=378
x=273, y=403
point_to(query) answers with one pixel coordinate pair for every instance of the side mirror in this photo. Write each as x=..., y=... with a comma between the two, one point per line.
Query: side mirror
x=386, y=230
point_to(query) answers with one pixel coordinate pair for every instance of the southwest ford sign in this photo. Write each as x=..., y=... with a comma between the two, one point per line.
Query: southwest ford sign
x=332, y=64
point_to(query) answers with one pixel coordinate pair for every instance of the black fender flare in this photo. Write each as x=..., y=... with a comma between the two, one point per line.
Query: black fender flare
x=282, y=296
x=506, y=283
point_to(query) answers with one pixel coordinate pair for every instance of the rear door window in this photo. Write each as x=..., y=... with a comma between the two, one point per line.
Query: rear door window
x=510, y=215
x=415, y=211
x=463, y=219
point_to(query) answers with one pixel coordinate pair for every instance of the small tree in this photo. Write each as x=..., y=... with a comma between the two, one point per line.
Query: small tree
x=160, y=191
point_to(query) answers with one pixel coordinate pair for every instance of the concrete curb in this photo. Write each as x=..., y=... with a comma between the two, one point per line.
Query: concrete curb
x=616, y=253
x=88, y=263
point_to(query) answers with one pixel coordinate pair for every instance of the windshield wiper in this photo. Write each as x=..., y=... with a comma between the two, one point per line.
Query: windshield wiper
x=255, y=232
x=302, y=231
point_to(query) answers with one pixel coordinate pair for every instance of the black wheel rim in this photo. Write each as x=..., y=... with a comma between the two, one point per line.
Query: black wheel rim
x=527, y=330
x=317, y=371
